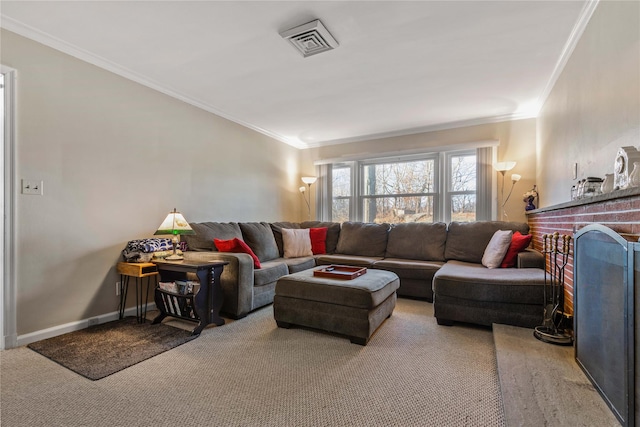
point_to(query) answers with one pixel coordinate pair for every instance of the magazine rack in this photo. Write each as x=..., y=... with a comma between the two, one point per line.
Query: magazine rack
x=202, y=307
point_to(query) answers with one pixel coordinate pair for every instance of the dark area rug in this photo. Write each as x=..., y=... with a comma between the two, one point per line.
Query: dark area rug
x=101, y=350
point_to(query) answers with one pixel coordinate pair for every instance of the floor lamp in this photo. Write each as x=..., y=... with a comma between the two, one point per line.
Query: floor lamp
x=503, y=167
x=307, y=199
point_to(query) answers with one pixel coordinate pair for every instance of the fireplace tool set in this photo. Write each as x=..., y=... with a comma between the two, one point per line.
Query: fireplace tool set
x=556, y=253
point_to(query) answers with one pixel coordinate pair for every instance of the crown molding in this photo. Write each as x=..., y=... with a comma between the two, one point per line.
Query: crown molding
x=86, y=56
x=567, y=51
x=426, y=129
x=79, y=53
x=410, y=153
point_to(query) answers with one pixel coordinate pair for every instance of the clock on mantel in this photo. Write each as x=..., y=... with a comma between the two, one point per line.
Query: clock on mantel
x=624, y=165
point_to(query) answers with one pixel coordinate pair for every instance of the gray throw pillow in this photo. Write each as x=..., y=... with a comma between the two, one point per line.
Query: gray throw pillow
x=259, y=237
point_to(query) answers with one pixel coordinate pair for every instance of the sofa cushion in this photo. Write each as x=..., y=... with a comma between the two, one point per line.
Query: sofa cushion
x=410, y=269
x=276, y=228
x=259, y=237
x=471, y=281
x=365, y=239
x=417, y=240
x=497, y=248
x=270, y=272
x=466, y=241
x=355, y=260
x=297, y=243
x=297, y=264
x=207, y=231
x=333, y=233
x=237, y=246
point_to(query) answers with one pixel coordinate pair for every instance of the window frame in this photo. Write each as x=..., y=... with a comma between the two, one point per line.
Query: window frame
x=442, y=197
x=448, y=193
x=361, y=196
x=352, y=189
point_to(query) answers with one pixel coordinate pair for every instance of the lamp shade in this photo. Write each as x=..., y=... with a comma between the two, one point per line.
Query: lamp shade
x=504, y=166
x=174, y=224
x=309, y=179
x=515, y=177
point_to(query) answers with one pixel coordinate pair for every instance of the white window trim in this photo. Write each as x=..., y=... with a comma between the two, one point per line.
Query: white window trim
x=484, y=152
x=360, y=197
x=407, y=153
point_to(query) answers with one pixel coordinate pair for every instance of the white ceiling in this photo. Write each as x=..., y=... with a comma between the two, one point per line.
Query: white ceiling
x=401, y=67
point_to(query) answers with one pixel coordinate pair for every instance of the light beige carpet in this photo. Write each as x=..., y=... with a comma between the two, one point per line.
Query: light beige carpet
x=251, y=373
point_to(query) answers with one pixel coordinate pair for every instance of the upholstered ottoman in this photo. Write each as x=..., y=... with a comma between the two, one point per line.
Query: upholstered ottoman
x=355, y=308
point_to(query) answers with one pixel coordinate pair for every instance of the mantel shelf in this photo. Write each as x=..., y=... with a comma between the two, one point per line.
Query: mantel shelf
x=618, y=194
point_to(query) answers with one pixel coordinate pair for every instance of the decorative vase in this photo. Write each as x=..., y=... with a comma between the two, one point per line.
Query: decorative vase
x=607, y=184
x=634, y=178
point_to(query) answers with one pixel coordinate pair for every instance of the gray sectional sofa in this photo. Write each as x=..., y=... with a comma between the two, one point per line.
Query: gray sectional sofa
x=433, y=261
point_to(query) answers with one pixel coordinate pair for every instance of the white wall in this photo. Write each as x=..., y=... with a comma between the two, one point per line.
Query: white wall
x=115, y=158
x=594, y=107
x=517, y=142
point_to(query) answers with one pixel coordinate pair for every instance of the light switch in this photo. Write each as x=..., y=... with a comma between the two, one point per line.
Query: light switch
x=32, y=187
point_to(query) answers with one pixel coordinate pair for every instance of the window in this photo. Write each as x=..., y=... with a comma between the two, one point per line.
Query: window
x=341, y=192
x=448, y=186
x=399, y=191
x=461, y=188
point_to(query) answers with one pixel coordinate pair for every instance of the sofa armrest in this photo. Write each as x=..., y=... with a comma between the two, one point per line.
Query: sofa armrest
x=236, y=280
x=530, y=258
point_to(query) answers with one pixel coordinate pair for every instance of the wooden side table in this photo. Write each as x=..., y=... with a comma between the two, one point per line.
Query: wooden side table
x=138, y=271
x=202, y=307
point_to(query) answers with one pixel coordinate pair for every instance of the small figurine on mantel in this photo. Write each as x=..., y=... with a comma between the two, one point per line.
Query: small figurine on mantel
x=529, y=197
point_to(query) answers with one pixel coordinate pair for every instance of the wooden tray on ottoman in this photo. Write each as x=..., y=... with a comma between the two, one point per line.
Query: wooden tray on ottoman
x=343, y=272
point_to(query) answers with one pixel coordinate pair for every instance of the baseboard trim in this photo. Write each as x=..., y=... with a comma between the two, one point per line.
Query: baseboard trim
x=54, y=331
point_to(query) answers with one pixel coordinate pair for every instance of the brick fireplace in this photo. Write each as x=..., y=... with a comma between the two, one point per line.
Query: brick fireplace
x=619, y=210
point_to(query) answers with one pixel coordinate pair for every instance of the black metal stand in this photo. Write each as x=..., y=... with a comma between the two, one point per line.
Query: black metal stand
x=141, y=295
x=555, y=259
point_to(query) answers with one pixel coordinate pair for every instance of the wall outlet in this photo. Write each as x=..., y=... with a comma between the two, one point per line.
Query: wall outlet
x=93, y=321
x=32, y=187
x=117, y=288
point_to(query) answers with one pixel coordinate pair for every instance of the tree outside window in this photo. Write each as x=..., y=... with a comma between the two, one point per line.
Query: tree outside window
x=341, y=192
x=399, y=192
x=462, y=187
x=418, y=188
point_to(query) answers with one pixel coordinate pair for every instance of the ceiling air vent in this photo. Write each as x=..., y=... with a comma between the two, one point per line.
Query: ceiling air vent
x=310, y=38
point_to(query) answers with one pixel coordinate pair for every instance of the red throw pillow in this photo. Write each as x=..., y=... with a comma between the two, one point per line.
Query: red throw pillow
x=318, y=238
x=519, y=243
x=237, y=246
